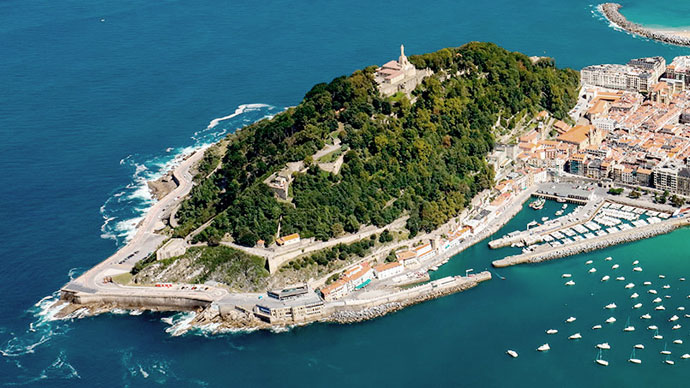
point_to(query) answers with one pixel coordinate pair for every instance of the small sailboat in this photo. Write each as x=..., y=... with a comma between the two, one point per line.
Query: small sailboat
x=628, y=327
x=630, y=285
x=559, y=212
x=667, y=296
x=599, y=360
x=570, y=283
x=669, y=362
x=665, y=351
x=666, y=286
x=678, y=341
x=681, y=308
x=657, y=336
x=647, y=283
x=611, y=320
x=676, y=327
x=615, y=266
x=575, y=336
x=660, y=308
x=687, y=315
x=596, y=327
x=636, y=262
x=681, y=279
x=551, y=331
x=610, y=306
x=637, y=269
x=685, y=356
x=646, y=316
x=634, y=295
x=544, y=348
x=656, y=300
x=544, y=219
x=593, y=270
x=662, y=276
x=652, y=291
x=588, y=262
x=512, y=353
x=637, y=306
x=571, y=319
x=605, y=278
x=620, y=278
x=634, y=359
x=639, y=346
x=673, y=318
x=604, y=345
x=566, y=275
x=652, y=327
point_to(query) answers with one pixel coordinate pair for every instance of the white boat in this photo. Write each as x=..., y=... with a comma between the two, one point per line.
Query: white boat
x=615, y=266
x=681, y=308
x=588, y=262
x=565, y=206
x=646, y=316
x=656, y=300
x=596, y=327
x=434, y=268
x=681, y=279
x=658, y=337
x=559, y=212
x=670, y=362
x=620, y=278
x=544, y=348
x=634, y=295
x=636, y=262
x=652, y=327
x=566, y=275
x=665, y=352
x=611, y=320
x=660, y=308
x=544, y=219
x=676, y=327
x=639, y=346
x=531, y=224
x=604, y=346
x=575, y=336
x=629, y=328
x=685, y=356
x=652, y=291
x=570, y=283
x=551, y=331
x=571, y=319
x=630, y=285
x=666, y=286
x=637, y=269
x=593, y=270
x=662, y=276
x=609, y=258
x=635, y=360
x=605, y=278
x=667, y=296
x=647, y=283
x=512, y=353
x=673, y=318
x=602, y=362
x=637, y=306
x=610, y=306
x=678, y=342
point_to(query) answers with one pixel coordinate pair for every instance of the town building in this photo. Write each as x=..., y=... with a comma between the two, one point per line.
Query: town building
x=288, y=240
x=388, y=270
x=306, y=307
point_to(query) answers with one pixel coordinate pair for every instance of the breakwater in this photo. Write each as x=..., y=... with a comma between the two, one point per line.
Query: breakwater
x=593, y=244
x=612, y=12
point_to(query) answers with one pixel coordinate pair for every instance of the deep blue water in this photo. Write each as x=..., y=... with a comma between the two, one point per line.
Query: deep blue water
x=97, y=96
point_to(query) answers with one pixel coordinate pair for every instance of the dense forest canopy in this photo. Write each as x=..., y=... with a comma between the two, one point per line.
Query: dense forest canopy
x=424, y=158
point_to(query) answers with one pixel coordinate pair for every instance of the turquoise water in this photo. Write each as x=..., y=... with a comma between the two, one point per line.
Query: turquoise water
x=659, y=13
x=96, y=97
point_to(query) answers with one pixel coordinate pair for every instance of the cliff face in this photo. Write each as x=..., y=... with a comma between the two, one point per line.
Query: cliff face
x=612, y=12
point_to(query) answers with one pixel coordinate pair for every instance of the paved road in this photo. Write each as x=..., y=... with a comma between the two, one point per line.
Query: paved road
x=144, y=242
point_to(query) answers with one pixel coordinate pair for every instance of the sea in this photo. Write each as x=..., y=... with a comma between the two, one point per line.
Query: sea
x=97, y=97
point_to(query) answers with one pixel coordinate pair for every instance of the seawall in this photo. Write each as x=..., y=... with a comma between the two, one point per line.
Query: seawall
x=612, y=12
x=593, y=244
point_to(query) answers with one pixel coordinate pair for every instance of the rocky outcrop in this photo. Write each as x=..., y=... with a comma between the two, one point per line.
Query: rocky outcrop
x=612, y=13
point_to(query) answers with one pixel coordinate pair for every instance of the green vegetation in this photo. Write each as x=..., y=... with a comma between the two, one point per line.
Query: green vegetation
x=340, y=252
x=634, y=194
x=615, y=191
x=200, y=264
x=123, y=278
x=425, y=159
x=677, y=201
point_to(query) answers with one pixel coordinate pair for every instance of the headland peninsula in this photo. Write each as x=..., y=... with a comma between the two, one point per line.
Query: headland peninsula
x=338, y=209
x=677, y=37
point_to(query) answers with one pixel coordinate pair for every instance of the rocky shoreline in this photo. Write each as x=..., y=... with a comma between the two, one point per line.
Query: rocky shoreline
x=612, y=12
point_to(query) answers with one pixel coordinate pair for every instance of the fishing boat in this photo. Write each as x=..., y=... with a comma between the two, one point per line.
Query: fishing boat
x=512, y=353
x=538, y=204
x=551, y=331
x=544, y=348
x=605, y=278
x=633, y=359
x=575, y=336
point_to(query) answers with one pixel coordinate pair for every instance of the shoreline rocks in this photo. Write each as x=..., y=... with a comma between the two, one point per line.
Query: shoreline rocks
x=612, y=13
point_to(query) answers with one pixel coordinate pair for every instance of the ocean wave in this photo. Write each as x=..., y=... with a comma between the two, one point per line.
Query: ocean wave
x=180, y=323
x=126, y=207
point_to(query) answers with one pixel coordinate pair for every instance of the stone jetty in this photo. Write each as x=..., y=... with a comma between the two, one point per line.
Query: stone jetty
x=612, y=12
x=594, y=243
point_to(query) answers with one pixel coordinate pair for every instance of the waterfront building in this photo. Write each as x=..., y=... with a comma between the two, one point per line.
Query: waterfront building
x=683, y=187
x=288, y=240
x=423, y=252
x=679, y=69
x=388, y=270
x=644, y=176
x=666, y=177
x=289, y=292
x=638, y=75
x=576, y=164
x=306, y=307
x=351, y=279
x=407, y=258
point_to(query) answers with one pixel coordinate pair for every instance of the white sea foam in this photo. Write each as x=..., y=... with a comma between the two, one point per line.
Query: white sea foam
x=180, y=323
x=240, y=109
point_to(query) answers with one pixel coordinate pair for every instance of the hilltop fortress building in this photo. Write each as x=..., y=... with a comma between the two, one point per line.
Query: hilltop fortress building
x=399, y=76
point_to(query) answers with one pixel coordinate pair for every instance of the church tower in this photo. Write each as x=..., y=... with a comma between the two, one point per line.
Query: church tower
x=403, y=59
